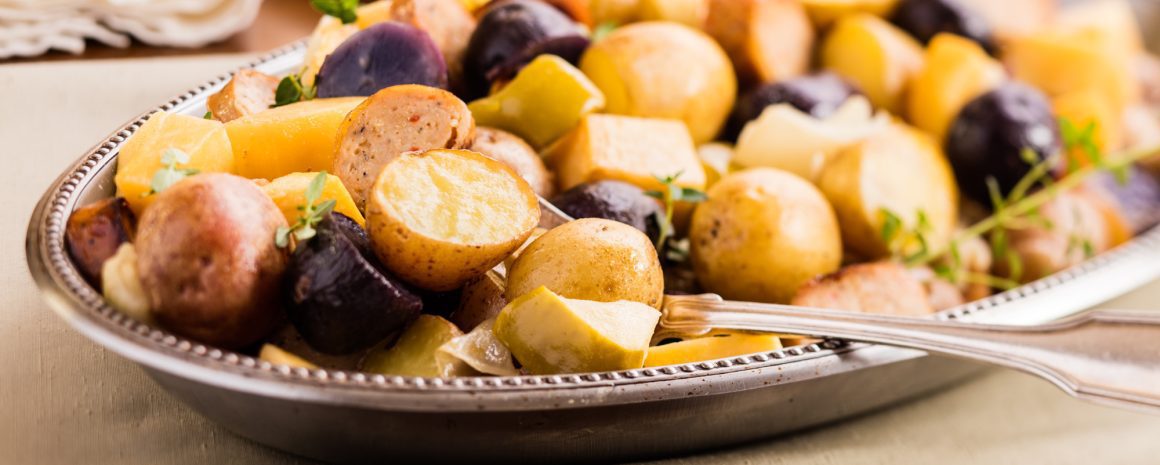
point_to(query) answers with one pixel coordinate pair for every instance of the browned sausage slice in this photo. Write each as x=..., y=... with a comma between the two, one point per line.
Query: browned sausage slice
x=884, y=288
x=247, y=93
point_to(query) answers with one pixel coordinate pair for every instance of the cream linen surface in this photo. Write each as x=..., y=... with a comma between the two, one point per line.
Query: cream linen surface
x=33, y=27
x=64, y=400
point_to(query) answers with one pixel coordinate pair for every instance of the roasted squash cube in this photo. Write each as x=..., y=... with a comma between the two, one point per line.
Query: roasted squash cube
x=299, y=137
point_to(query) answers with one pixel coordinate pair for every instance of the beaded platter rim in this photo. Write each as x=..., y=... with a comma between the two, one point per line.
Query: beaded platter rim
x=84, y=309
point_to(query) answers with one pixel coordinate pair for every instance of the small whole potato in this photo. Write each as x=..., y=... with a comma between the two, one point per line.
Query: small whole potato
x=761, y=235
x=208, y=262
x=590, y=259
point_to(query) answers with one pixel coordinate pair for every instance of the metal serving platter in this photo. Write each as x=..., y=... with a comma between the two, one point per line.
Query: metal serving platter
x=355, y=417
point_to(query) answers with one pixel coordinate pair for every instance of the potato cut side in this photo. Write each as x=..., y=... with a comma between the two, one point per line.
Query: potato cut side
x=289, y=193
x=767, y=40
x=299, y=137
x=393, y=121
x=414, y=353
x=550, y=334
x=874, y=55
x=439, y=218
x=711, y=348
x=327, y=36
x=249, y=92
x=205, y=141
x=629, y=149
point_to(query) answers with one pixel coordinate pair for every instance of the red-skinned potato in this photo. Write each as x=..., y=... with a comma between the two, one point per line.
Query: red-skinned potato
x=208, y=261
x=95, y=231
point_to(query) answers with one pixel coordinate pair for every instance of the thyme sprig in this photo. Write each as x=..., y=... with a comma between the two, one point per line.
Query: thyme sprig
x=669, y=195
x=312, y=214
x=345, y=10
x=169, y=174
x=292, y=90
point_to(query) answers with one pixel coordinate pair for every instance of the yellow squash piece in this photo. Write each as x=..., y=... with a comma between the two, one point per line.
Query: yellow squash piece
x=544, y=101
x=688, y=12
x=414, y=354
x=956, y=71
x=1089, y=107
x=711, y=348
x=289, y=193
x=824, y=12
x=629, y=149
x=299, y=137
x=1062, y=62
x=278, y=356
x=549, y=334
x=874, y=55
x=205, y=141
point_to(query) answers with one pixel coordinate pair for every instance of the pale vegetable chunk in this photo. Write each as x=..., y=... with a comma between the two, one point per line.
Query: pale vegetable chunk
x=884, y=288
x=711, y=348
x=299, y=137
x=762, y=233
x=550, y=334
x=956, y=70
x=623, y=148
x=440, y=218
x=278, y=356
x=414, y=354
x=898, y=173
x=480, y=349
x=590, y=259
x=289, y=194
x=247, y=93
x=121, y=284
x=205, y=141
x=768, y=40
x=874, y=55
x=1061, y=62
x=784, y=137
x=395, y=120
x=660, y=69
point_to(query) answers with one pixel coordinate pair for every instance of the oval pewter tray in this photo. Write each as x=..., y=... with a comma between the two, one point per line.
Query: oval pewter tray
x=356, y=417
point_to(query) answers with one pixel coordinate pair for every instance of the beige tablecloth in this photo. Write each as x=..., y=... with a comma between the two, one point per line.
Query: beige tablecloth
x=65, y=400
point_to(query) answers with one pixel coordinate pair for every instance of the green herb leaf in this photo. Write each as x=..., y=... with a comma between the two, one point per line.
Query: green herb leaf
x=891, y=225
x=303, y=228
x=291, y=90
x=669, y=196
x=282, y=237
x=314, y=189
x=169, y=175
x=689, y=194
x=602, y=30
x=208, y=115
x=344, y=10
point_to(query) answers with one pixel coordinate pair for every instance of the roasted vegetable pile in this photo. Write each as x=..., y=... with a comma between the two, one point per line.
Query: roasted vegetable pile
x=379, y=209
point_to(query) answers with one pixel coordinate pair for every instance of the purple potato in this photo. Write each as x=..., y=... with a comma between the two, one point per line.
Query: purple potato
x=612, y=200
x=925, y=19
x=991, y=132
x=817, y=95
x=1138, y=196
x=384, y=55
x=510, y=35
x=338, y=298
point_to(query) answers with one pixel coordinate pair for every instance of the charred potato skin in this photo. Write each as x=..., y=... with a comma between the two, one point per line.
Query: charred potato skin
x=94, y=232
x=208, y=260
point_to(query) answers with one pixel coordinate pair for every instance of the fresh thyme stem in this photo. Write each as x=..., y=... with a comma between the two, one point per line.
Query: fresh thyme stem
x=1038, y=199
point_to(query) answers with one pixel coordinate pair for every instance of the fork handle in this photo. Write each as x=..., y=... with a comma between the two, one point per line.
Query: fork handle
x=1105, y=356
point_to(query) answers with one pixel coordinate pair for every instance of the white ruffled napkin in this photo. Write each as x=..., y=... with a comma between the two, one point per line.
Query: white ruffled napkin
x=33, y=27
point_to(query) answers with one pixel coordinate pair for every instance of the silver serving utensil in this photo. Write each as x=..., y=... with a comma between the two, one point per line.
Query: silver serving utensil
x=1106, y=356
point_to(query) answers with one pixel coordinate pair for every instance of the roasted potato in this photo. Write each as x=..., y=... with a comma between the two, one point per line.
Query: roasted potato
x=874, y=55
x=299, y=137
x=885, y=288
x=395, y=120
x=95, y=231
x=440, y=218
x=247, y=93
x=768, y=40
x=481, y=300
x=517, y=154
x=761, y=235
x=447, y=22
x=590, y=259
x=208, y=262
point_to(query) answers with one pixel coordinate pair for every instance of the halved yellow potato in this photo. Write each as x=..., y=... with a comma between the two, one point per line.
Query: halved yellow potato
x=299, y=137
x=874, y=55
x=440, y=218
x=956, y=70
x=591, y=259
x=711, y=348
x=899, y=170
x=550, y=334
x=205, y=141
x=289, y=193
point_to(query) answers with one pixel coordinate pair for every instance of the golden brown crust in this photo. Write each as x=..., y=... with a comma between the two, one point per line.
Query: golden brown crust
x=394, y=121
x=208, y=261
x=884, y=288
x=249, y=92
x=767, y=40
x=511, y=150
x=95, y=231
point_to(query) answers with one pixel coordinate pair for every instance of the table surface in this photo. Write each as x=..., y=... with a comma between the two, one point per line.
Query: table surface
x=63, y=399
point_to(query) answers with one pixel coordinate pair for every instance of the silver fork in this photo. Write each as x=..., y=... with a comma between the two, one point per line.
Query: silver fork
x=1106, y=356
